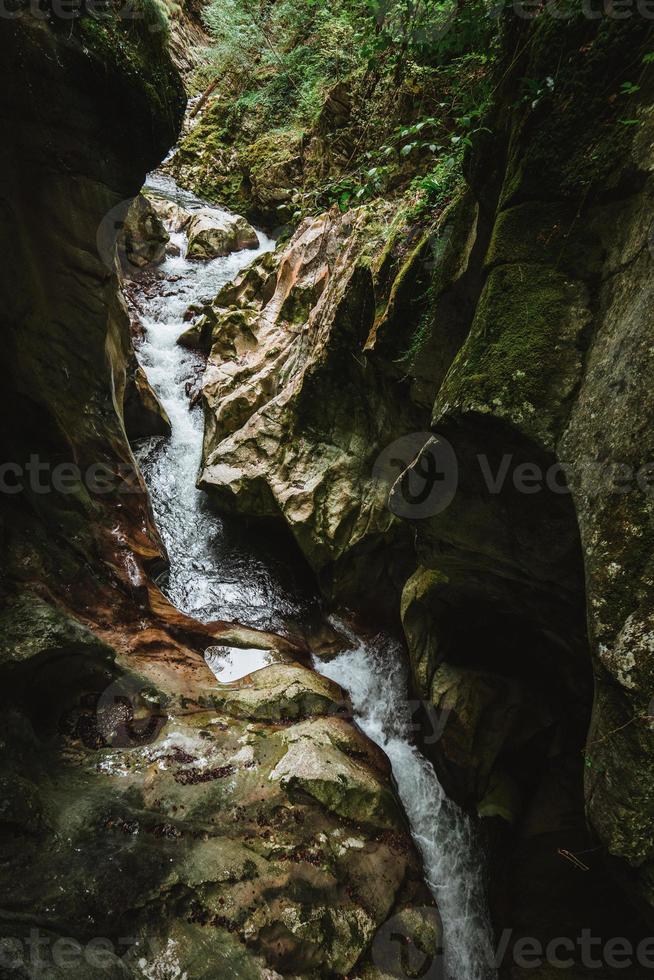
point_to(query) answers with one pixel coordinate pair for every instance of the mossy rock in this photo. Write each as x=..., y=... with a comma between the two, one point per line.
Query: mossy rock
x=572, y=144
x=273, y=166
x=278, y=692
x=30, y=627
x=522, y=360
x=549, y=233
x=317, y=765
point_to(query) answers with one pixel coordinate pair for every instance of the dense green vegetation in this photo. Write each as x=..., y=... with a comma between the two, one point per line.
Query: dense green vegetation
x=279, y=59
x=308, y=104
x=352, y=100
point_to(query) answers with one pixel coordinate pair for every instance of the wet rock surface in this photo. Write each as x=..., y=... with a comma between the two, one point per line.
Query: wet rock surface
x=517, y=329
x=138, y=804
x=190, y=816
x=209, y=237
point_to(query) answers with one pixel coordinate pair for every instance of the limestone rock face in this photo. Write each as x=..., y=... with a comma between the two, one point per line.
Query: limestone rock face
x=527, y=601
x=65, y=330
x=547, y=380
x=296, y=408
x=260, y=844
x=187, y=39
x=210, y=236
x=143, y=238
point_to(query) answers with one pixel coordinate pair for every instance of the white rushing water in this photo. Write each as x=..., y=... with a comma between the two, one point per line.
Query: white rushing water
x=218, y=572
x=374, y=674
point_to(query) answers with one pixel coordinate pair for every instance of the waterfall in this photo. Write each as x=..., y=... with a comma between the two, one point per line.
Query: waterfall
x=374, y=674
x=217, y=573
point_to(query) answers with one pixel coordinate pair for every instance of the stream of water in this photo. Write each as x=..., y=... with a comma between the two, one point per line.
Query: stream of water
x=219, y=570
x=374, y=674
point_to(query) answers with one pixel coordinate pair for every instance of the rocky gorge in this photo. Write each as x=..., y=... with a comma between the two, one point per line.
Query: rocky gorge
x=433, y=423
x=149, y=824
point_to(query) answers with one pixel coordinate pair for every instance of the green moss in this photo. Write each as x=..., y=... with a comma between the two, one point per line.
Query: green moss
x=29, y=627
x=137, y=47
x=522, y=358
x=572, y=143
x=421, y=587
x=224, y=167
x=550, y=233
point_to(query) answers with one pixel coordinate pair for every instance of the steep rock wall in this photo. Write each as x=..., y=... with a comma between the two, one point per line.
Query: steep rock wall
x=518, y=327
x=152, y=822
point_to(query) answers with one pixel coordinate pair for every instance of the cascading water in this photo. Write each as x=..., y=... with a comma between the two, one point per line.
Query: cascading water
x=212, y=574
x=373, y=673
x=217, y=572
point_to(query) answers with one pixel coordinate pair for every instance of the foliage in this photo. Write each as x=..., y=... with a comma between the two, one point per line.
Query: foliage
x=381, y=96
x=280, y=57
x=428, y=30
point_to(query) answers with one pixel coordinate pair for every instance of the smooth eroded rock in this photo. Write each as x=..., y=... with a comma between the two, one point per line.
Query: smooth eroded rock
x=143, y=238
x=212, y=233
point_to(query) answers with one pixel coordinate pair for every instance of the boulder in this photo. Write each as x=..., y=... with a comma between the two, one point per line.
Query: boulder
x=212, y=233
x=172, y=214
x=197, y=336
x=143, y=238
x=143, y=412
x=278, y=692
x=321, y=761
x=259, y=845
